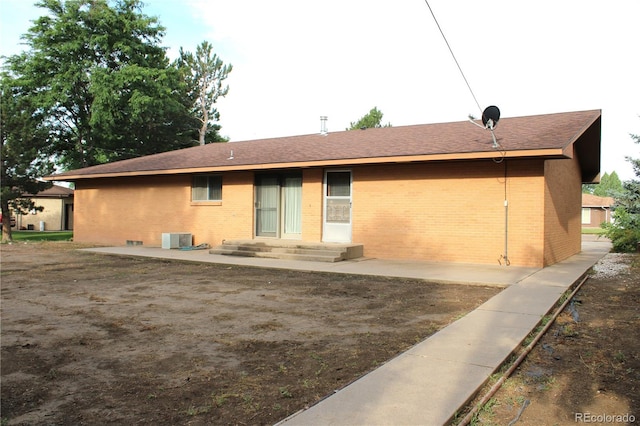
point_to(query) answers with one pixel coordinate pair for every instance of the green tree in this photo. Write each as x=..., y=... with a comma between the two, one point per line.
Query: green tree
x=369, y=121
x=102, y=84
x=22, y=143
x=610, y=185
x=624, y=231
x=204, y=74
x=588, y=188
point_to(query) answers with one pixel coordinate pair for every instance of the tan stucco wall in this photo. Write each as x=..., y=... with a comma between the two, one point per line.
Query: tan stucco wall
x=450, y=211
x=52, y=215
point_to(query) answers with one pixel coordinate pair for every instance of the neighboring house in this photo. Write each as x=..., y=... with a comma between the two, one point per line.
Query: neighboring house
x=437, y=192
x=595, y=210
x=57, y=214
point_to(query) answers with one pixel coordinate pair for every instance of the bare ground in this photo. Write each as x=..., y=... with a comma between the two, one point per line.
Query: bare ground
x=89, y=338
x=586, y=368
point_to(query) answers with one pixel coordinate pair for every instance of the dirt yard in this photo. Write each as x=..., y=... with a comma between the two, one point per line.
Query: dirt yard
x=586, y=368
x=94, y=339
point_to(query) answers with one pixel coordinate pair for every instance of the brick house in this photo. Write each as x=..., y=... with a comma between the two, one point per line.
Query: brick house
x=438, y=192
x=595, y=210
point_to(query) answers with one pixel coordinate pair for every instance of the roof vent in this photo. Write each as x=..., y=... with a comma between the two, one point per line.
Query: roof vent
x=323, y=125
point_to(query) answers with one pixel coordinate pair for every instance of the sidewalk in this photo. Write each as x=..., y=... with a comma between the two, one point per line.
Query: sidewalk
x=430, y=382
x=442, y=272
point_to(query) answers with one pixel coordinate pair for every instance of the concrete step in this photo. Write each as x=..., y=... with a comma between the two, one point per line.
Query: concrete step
x=293, y=250
x=309, y=256
x=245, y=248
x=318, y=252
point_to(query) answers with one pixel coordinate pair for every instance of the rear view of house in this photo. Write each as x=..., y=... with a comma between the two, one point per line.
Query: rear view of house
x=438, y=192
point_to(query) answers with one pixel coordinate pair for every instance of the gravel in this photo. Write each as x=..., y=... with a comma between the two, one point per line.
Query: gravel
x=612, y=264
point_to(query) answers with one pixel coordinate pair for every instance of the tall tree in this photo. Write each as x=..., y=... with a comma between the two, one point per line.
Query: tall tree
x=22, y=146
x=610, y=185
x=624, y=231
x=370, y=120
x=102, y=83
x=204, y=73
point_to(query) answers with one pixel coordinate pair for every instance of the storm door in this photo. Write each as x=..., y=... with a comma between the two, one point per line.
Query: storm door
x=267, y=206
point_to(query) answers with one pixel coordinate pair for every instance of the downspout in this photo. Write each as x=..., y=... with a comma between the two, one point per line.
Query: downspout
x=506, y=232
x=505, y=257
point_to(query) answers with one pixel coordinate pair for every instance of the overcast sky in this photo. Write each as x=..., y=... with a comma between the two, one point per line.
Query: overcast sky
x=295, y=61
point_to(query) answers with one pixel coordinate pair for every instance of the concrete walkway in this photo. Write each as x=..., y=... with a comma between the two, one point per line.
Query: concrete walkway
x=493, y=275
x=430, y=382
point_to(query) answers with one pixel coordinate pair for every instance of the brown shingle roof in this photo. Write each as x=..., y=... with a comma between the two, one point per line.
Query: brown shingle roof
x=56, y=191
x=590, y=200
x=543, y=135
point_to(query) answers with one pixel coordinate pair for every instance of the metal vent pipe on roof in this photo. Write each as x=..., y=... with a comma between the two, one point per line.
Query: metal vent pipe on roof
x=323, y=125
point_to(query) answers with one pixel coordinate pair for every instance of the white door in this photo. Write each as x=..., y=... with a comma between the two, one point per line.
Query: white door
x=337, y=206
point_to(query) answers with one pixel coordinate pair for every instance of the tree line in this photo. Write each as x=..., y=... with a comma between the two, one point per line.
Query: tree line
x=95, y=85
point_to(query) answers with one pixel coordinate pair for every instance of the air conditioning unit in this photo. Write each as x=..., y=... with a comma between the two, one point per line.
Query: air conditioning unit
x=174, y=240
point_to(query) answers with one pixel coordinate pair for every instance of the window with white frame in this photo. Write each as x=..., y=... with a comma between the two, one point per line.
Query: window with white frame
x=586, y=216
x=206, y=188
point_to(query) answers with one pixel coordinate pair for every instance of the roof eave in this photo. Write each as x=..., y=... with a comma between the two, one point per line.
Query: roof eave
x=539, y=153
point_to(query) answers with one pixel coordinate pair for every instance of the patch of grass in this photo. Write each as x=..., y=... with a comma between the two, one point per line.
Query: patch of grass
x=567, y=330
x=543, y=322
x=220, y=399
x=195, y=411
x=593, y=231
x=42, y=236
x=285, y=392
x=485, y=414
x=619, y=356
x=323, y=364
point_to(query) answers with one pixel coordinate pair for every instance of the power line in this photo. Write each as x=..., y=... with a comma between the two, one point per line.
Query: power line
x=453, y=55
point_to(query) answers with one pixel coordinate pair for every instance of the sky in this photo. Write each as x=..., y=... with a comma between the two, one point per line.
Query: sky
x=294, y=61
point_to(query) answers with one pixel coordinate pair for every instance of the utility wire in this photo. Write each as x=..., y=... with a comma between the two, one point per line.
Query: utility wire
x=453, y=55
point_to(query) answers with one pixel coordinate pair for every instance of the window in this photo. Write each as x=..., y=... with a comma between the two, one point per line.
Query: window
x=586, y=216
x=206, y=188
x=338, y=184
